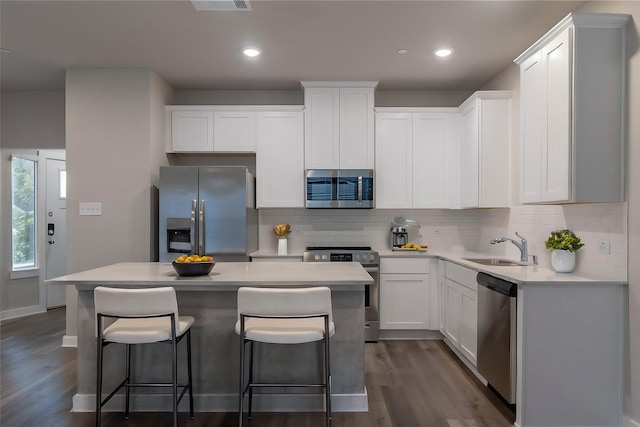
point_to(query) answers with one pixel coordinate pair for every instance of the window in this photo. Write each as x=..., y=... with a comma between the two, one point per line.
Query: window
x=23, y=213
x=62, y=184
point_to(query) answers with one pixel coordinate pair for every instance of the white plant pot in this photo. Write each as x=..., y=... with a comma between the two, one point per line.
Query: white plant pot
x=563, y=261
x=282, y=246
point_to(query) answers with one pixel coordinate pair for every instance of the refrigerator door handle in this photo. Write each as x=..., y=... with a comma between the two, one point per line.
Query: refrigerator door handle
x=201, y=231
x=193, y=239
x=360, y=189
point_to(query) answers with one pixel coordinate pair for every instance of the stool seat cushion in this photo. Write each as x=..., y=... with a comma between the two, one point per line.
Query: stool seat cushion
x=285, y=331
x=141, y=331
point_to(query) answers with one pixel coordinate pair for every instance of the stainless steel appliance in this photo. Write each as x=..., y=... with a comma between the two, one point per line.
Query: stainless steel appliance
x=497, y=334
x=399, y=236
x=207, y=210
x=339, y=188
x=370, y=260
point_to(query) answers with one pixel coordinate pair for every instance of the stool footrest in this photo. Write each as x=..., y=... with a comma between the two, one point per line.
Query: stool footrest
x=284, y=385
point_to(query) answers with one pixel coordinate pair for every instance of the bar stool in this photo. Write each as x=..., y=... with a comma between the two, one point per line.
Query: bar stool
x=141, y=316
x=284, y=316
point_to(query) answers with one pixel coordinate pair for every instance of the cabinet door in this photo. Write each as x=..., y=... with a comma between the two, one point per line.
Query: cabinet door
x=192, y=131
x=280, y=160
x=430, y=163
x=234, y=131
x=469, y=324
x=394, y=180
x=531, y=128
x=494, y=153
x=356, y=128
x=469, y=146
x=556, y=160
x=322, y=128
x=404, y=301
x=453, y=311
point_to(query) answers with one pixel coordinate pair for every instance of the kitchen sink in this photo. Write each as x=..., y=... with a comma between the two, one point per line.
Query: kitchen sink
x=495, y=261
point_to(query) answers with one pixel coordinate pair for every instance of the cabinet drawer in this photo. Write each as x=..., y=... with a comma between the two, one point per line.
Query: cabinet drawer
x=462, y=275
x=404, y=265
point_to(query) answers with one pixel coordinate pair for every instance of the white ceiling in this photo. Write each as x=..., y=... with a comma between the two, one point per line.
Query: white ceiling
x=301, y=40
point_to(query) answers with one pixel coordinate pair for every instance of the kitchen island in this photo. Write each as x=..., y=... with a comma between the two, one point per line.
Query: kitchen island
x=212, y=300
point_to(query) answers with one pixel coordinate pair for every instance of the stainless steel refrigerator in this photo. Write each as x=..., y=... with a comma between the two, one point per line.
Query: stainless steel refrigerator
x=207, y=210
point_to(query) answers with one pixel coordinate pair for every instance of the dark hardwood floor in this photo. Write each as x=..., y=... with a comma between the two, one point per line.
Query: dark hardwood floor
x=410, y=384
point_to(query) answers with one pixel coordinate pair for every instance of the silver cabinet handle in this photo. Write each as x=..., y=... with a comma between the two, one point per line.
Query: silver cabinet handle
x=201, y=230
x=193, y=237
x=360, y=190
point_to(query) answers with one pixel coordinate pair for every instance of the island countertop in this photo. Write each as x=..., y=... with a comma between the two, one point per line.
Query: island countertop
x=223, y=276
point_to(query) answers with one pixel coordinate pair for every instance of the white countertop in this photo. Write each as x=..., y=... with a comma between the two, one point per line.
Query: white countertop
x=525, y=275
x=223, y=276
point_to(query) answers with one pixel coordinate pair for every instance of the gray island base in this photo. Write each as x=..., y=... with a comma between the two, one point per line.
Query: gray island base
x=212, y=301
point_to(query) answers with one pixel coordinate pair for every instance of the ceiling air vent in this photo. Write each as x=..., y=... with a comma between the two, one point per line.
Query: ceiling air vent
x=213, y=5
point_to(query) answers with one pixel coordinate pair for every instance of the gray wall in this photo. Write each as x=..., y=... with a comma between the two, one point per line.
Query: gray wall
x=32, y=119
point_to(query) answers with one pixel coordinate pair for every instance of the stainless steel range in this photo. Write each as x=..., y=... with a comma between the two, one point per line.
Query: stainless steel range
x=370, y=260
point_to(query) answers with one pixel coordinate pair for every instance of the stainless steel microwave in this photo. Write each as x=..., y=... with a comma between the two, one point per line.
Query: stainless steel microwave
x=339, y=188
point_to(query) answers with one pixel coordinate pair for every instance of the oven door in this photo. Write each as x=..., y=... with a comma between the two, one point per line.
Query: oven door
x=371, y=304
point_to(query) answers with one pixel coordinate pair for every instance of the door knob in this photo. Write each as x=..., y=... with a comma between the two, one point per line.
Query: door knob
x=51, y=242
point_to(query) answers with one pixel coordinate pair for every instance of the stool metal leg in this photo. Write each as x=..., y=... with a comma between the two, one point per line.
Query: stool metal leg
x=241, y=385
x=189, y=373
x=250, y=377
x=99, y=379
x=174, y=377
x=127, y=363
x=327, y=370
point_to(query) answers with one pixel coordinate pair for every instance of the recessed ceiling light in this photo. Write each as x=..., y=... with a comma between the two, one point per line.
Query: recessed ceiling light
x=402, y=51
x=443, y=52
x=3, y=50
x=252, y=51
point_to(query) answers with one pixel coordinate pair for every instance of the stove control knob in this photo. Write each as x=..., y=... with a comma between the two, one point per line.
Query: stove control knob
x=325, y=257
x=357, y=257
x=316, y=257
x=371, y=257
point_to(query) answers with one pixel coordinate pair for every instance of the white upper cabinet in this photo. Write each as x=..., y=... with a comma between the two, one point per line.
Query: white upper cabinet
x=412, y=157
x=214, y=129
x=339, y=125
x=189, y=130
x=572, y=111
x=234, y=131
x=484, y=152
x=280, y=160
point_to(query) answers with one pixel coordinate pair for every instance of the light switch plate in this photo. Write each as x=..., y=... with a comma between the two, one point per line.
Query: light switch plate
x=90, y=208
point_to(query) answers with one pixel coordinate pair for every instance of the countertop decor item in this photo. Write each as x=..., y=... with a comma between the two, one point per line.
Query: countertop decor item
x=563, y=245
x=282, y=231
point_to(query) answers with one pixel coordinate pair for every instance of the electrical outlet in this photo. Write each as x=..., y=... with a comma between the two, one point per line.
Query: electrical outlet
x=604, y=248
x=90, y=208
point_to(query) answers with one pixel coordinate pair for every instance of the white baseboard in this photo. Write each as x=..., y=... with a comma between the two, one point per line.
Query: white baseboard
x=227, y=403
x=628, y=422
x=70, y=341
x=20, y=312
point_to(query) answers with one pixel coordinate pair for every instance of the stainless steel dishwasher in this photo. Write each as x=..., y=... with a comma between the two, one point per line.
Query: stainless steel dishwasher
x=497, y=334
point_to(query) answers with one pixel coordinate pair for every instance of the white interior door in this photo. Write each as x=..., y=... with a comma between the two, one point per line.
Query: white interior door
x=56, y=230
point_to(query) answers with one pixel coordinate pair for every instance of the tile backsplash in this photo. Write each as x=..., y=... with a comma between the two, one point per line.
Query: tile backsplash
x=464, y=230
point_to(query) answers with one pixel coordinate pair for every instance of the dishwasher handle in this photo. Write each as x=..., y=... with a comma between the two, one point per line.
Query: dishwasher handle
x=499, y=285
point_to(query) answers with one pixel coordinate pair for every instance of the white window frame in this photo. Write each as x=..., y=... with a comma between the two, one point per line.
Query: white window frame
x=34, y=270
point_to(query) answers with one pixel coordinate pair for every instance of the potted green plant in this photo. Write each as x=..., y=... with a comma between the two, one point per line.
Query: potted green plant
x=563, y=245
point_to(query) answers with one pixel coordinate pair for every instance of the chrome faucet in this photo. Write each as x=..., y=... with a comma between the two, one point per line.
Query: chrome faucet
x=522, y=245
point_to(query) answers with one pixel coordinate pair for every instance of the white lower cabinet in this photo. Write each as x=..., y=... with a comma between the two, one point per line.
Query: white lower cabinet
x=459, y=307
x=407, y=297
